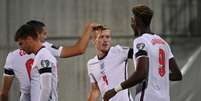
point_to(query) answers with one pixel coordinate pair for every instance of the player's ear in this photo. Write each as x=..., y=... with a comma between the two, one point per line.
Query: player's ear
x=29, y=39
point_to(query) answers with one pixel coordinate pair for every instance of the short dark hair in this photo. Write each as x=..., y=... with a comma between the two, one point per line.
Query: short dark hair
x=38, y=25
x=144, y=13
x=24, y=31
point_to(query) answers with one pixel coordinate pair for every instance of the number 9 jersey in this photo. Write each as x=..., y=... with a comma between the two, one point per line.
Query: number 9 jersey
x=156, y=85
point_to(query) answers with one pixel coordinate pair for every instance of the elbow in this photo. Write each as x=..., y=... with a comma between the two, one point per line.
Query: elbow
x=2, y=94
x=180, y=77
x=176, y=77
x=81, y=50
x=142, y=77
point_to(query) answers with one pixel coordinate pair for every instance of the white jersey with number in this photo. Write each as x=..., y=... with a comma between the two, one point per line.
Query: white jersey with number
x=110, y=71
x=156, y=87
x=44, y=62
x=18, y=64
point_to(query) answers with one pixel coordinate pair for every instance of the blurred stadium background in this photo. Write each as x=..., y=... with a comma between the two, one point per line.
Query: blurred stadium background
x=178, y=21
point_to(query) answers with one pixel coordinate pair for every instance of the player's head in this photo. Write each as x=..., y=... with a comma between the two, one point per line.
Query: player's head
x=142, y=16
x=25, y=37
x=40, y=28
x=102, y=38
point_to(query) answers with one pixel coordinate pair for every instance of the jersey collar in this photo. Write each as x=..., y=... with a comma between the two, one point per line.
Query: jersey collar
x=104, y=55
x=39, y=49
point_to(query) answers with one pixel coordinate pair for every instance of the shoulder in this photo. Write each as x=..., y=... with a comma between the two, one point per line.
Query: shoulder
x=15, y=53
x=92, y=64
x=92, y=61
x=47, y=43
x=118, y=48
x=10, y=57
x=45, y=54
x=140, y=39
x=121, y=47
x=50, y=45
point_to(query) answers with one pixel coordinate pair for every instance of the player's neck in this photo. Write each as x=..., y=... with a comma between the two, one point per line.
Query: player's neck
x=145, y=30
x=37, y=47
x=101, y=55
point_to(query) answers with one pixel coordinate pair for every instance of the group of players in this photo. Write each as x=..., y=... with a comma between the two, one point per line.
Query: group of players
x=35, y=63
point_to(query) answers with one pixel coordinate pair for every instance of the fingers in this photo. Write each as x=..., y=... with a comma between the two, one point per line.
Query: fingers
x=90, y=25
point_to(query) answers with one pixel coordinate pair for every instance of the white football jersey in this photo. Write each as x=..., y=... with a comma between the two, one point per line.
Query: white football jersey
x=56, y=51
x=110, y=71
x=35, y=86
x=18, y=64
x=44, y=62
x=156, y=87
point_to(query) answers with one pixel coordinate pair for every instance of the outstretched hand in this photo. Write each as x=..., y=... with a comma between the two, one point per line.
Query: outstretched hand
x=109, y=94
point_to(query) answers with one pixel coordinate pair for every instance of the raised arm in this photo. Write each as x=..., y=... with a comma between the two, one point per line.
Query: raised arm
x=81, y=45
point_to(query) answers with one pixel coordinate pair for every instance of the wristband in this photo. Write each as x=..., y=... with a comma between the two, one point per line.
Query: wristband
x=118, y=88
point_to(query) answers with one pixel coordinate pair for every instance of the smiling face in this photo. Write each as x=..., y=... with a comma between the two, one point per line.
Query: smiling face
x=102, y=40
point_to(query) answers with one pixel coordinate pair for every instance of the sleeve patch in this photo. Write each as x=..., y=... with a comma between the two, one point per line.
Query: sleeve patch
x=140, y=46
x=45, y=63
x=9, y=72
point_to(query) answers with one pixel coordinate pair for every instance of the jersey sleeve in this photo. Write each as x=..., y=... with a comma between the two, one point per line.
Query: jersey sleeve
x=44, y=64
x=8, y=67
x=46, y=86
x=125, y=52
x=170, y=55
x=54, y=50
x=90, y=74
x=140, y=48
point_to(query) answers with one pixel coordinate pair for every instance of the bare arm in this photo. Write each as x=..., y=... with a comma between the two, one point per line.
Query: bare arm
x=94, y=92
x=81, y=45
x=175, y=73
x=139, y=75
x=7, y=83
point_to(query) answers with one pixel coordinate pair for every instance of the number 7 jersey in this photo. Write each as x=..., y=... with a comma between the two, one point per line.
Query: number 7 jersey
x=156, y=86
